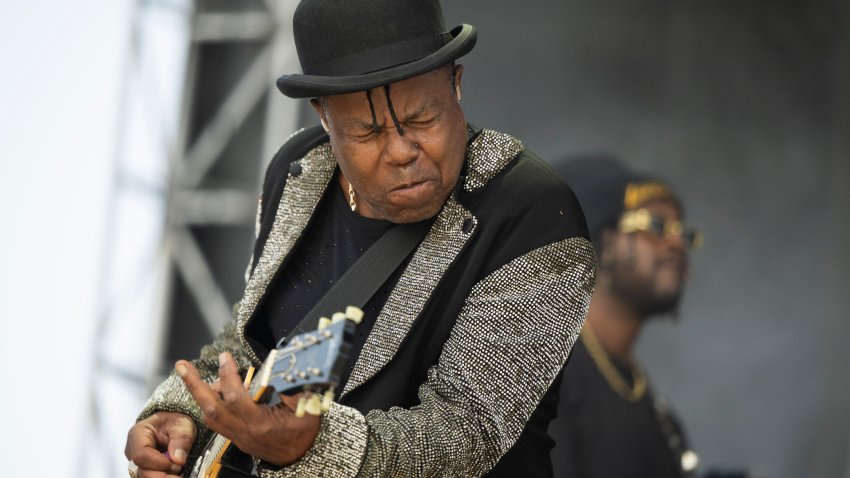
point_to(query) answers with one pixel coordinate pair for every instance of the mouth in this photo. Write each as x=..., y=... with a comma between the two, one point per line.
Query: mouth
x=413, y=194
x=674, y=260
x=409, y=185
x=677, y=263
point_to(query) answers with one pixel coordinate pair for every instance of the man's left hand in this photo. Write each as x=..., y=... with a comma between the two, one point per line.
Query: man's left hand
x=273, y=434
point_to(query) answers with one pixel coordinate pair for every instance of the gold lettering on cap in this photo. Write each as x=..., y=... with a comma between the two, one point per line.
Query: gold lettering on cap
x=638, y=194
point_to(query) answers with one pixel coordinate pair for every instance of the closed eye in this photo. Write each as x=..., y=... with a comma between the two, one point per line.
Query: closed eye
x=422, y=121
x=364, y=135
x=362, y=132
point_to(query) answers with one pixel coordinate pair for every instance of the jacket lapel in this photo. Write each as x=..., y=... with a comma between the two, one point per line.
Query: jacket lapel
x=443, y=243
x=297, y=204
x=487, y=155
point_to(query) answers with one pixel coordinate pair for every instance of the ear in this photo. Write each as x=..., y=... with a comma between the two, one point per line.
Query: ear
x=458, y=76
x=320, y=110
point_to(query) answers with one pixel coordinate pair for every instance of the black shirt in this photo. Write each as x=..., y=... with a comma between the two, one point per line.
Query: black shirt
x=599, y=434
x=335, y=238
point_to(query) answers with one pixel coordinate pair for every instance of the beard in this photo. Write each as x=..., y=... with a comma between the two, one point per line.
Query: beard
x=642, y=294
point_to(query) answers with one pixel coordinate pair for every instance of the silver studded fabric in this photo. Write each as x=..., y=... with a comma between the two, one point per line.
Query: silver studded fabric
x=298, y=201
x=487, y=156
x=338, y=450
x=510, y=340
x=507, y=345
x=297, y=204
x=257, y=225
x=430, y=262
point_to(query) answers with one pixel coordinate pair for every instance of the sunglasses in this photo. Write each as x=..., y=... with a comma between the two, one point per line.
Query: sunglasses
x=641, y=220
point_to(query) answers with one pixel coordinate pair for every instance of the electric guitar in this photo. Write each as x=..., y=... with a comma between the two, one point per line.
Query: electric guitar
x=311, y=362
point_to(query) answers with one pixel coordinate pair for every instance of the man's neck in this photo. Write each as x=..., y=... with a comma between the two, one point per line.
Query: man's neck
x=615, y=324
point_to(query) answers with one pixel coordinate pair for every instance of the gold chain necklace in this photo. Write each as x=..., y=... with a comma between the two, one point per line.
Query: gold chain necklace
x=610, y=372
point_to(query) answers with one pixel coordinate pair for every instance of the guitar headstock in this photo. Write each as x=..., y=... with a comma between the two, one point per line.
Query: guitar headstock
x=310, y=362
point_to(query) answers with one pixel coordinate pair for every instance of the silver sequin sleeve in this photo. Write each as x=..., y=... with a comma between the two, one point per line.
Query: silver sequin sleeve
x=510, y=340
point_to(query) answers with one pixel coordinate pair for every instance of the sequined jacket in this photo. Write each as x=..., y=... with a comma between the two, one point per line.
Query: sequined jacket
x=476, y=329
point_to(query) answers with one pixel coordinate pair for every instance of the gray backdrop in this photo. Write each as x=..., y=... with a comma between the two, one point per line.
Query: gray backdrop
x=744, y=106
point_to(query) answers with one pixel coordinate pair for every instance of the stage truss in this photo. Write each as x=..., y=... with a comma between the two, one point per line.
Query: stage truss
x=201, y=117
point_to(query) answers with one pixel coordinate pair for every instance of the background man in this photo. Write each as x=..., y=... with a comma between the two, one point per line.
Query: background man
x=462, y=343
x=609, y=423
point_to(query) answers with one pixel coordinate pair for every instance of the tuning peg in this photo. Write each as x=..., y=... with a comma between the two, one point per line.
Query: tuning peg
x=324, y=322
x=327, y=400
x=301, y=408
x=354, y=314
x=338, y=316
x=314, y=405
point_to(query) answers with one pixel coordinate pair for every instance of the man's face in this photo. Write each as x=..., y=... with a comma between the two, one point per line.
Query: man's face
x=648, y=270
x=402, y=178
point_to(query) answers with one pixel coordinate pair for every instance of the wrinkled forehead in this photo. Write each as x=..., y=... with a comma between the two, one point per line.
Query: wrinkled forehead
x=423, y=84
x=411, y=97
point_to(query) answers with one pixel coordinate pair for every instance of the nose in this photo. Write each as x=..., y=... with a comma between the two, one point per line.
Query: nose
x=400, y=150
x=676, y=242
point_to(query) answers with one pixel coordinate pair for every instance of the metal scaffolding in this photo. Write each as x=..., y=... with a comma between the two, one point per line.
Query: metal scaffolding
x=201, y=118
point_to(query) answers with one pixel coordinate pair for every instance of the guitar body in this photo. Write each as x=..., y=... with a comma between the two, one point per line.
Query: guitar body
x=229, y=462
x=311, y=363
x=223, y=455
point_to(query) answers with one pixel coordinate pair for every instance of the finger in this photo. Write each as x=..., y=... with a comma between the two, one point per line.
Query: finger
x=150, y=459
x=139, y=437
x=144, y=442
x=232, y=387
x=181, y=436
x=208, y=400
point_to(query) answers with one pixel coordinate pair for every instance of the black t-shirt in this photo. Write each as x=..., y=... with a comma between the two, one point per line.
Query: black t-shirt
x=335, y=238
x=599, y=434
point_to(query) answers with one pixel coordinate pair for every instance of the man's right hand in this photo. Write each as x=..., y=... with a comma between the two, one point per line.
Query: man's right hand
x=159, y=444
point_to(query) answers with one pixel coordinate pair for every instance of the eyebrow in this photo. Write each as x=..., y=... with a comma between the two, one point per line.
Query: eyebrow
x=359, y=123
x=418, y=112
x=365, y=124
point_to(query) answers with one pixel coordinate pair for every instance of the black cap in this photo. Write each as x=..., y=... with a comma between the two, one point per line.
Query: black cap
x=605, y=187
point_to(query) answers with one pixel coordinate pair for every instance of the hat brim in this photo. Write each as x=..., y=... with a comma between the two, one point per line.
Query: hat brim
x=310, y=86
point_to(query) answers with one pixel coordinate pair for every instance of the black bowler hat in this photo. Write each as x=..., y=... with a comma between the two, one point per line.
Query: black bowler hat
x=354, y=45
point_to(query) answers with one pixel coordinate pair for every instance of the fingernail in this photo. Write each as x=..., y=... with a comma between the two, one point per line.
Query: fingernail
x=180, y=454
x=222, y=358
x=176, y=469
x=181, y=369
